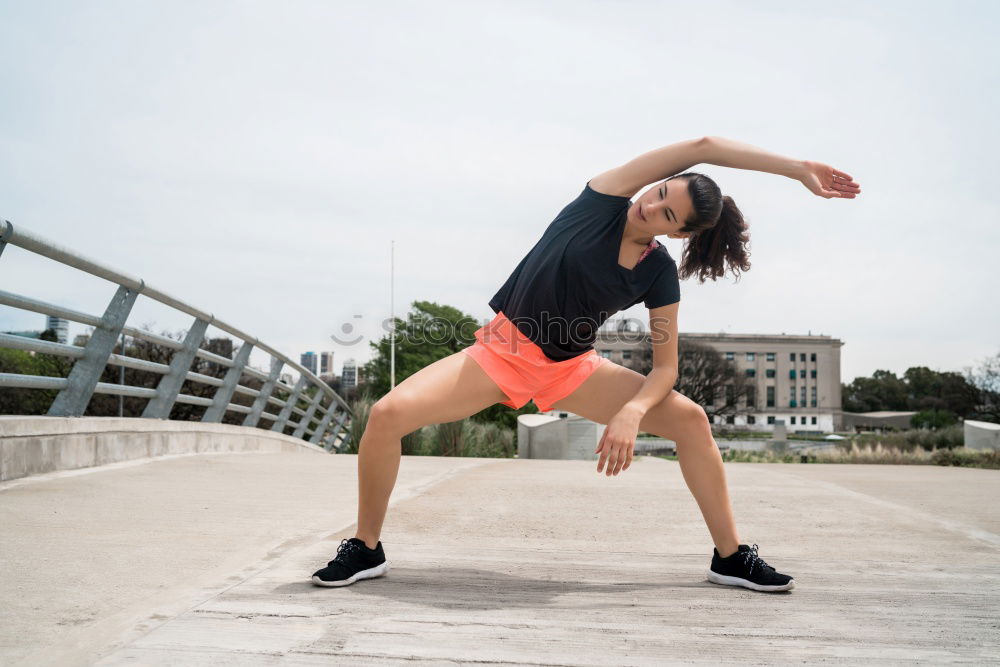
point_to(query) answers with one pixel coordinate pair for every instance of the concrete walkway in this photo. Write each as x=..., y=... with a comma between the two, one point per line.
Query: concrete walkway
x=206, y=559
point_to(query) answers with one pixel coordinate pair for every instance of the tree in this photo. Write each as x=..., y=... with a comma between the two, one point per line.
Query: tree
x=986, y=378
x=933, y=419
x=430, y=332
x=942, y=391
x=939, y=396
x=882, y=391
x=26, y=401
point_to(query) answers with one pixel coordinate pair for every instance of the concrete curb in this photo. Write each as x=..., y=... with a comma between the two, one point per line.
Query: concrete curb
x=35, y=445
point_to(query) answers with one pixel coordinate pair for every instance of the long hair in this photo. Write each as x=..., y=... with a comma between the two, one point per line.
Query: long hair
x=719, y=234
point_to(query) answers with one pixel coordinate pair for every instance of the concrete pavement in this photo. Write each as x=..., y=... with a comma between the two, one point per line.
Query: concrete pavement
x=206, y=559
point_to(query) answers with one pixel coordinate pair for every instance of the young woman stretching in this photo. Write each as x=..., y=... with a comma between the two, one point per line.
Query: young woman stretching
x=598, y=256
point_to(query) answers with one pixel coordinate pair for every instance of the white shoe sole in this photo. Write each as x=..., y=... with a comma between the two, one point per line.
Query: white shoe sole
x=376, y=571
x=717, y=578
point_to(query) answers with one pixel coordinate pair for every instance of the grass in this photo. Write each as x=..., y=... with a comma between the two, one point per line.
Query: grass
x=877, y=453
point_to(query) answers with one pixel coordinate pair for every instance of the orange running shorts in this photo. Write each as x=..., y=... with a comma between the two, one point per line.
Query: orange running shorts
x=521, y=369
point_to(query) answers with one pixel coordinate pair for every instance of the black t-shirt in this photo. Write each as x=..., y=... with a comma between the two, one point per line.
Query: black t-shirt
x=570, y=282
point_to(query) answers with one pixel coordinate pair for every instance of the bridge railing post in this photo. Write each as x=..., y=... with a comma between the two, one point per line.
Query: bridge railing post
x=332, y=437
x=279, y=423
x=325, y=422
x=265, y=393
x=73, y=399
x=224, y=394
x=304, y=422
x=170, y=384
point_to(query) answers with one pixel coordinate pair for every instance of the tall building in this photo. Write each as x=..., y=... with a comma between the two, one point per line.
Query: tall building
x=795, y=378
x=349, y=374
x=326, y=365
x=60, y=325
x=308, y=360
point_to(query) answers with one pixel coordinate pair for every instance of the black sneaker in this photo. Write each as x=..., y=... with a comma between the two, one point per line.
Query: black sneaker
x=354, y=560
x=745, y=568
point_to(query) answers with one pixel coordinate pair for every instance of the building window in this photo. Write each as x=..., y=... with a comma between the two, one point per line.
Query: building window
x=791, y=357
x=770, y=397
x=750, y=356
x=812, y=397
x=812, y=373
x=751, y=372
x=814, y=419
x=770, y=419
x=812, y=357
x=803, y=399
x=606, y=354
x=751, y=419
x=751, y=395
x=791, y=395
x=770, y=372
x=791, y=375
x=729, y=394
x=802, y=356
x=626, y=354
x=793, y=420
x=770, y=356
x=731, y=419
x=729, y=356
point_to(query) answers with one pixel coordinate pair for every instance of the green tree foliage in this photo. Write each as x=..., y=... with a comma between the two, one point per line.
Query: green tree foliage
x=882, y=391
x=430, y=332
x=939, y=397
x=933, y=419
x=17, y=401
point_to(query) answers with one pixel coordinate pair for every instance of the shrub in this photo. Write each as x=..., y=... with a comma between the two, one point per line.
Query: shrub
x=413, y=443
x=490, y=440
x=451, y=437
x=877, y=453
x=361, y=407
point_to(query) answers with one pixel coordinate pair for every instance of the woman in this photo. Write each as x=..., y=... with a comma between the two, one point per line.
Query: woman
x=598, y=256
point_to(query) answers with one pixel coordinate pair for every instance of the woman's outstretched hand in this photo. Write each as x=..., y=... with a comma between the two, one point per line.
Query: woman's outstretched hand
x=825, y=181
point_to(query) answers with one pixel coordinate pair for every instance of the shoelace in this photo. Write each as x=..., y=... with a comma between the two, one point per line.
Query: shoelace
x=344, y=550
x=750, y=558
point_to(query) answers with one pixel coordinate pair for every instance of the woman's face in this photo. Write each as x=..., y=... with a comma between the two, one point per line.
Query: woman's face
x=663, y=209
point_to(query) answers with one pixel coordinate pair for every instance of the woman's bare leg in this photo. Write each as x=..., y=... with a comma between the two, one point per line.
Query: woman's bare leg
x=447, y=390
x=676, y=418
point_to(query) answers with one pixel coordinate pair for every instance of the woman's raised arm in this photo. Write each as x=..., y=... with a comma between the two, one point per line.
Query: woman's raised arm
x=650, y=167
x=821, y=179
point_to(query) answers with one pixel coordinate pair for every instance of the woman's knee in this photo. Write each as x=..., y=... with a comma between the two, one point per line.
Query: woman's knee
x=697, y=415
x=680, y=417
x=394, y=413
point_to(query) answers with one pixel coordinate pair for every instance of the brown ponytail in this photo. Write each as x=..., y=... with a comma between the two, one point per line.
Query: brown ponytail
x=719, y=234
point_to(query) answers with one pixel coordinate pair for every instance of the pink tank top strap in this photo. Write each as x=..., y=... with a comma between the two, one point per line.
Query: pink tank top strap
x=649, y=249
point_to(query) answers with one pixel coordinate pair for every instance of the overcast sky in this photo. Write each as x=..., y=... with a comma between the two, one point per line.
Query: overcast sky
x=255, y=159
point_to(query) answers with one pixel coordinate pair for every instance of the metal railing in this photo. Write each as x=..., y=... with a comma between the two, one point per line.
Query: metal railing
x=331, y=420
